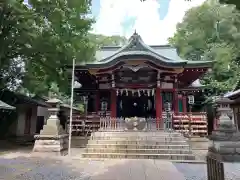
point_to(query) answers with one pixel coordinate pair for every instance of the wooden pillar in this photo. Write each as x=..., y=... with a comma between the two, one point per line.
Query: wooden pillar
x=158, y=107
x=113, y=103
x=184, y=101
x=175, y=96
x=97, y=102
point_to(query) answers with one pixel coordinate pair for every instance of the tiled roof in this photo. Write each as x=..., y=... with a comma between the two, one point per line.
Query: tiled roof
x=135, y=48
x=4, y=105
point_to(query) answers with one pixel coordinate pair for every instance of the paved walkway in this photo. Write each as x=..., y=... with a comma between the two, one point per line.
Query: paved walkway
x=19, y=166
x=23, y=168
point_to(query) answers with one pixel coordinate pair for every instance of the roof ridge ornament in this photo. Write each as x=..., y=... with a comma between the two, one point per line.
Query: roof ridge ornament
x=135, y=36
x=135, y=42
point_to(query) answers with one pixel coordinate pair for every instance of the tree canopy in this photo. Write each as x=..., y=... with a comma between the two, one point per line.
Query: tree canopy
x=212, y=32
x=234, y=2
x=38, y=39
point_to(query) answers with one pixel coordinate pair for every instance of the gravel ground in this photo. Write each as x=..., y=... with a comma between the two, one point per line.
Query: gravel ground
x=39, y=168
x=23, y=168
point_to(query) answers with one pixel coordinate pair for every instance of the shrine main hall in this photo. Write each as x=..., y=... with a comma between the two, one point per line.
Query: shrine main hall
x=137, y=80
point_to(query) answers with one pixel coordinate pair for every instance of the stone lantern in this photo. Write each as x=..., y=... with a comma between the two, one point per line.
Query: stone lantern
x=225, y=139
x=52, y=138
x=224, y=110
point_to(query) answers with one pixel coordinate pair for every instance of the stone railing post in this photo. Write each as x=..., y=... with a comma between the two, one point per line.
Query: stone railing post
x=52, y=138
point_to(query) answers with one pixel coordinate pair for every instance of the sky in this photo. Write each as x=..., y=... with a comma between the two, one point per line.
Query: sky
x=154, y=20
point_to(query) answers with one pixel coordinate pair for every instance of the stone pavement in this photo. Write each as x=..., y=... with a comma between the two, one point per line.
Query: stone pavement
x=31, y=168
x=42, y=168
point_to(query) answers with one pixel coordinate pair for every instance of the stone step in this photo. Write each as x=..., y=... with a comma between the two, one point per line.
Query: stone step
x=147, y=142
x=139, y=146
x=137, y=134
x=139, y=138
x=139, y=156
x=138, y=151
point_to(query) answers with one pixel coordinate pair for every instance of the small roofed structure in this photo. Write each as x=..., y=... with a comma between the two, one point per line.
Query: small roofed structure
x=4, y=105
x=21, y=122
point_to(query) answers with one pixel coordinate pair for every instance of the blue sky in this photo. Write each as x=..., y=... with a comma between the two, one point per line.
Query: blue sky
x=154, y=20
x=164, y=10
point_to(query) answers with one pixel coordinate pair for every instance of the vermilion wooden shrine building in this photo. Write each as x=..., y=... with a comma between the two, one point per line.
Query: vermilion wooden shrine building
x=137, y=80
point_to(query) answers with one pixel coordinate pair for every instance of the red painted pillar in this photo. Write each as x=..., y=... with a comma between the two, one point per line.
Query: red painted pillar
x=184, y=101
x=158, y=107
x=97, y=102
x=175, y=96
x=113, y=103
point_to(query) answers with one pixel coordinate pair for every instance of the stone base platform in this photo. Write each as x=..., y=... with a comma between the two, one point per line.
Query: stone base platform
x=138, y=145
x=51, y=145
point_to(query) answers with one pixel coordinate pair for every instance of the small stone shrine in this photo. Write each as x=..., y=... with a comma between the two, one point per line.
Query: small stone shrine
x=225, y=139
x=52, y=138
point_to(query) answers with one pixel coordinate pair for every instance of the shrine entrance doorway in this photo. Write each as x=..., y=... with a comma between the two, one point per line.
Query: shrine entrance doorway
x=132, y=105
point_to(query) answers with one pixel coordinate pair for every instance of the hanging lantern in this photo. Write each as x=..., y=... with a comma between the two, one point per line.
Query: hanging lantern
x=190, y=99
x=121, y=91
x=153, y=92
x=148, y=92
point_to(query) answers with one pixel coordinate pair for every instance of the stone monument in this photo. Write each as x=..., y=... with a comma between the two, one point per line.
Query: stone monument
x=52, y=140
x=226, y=138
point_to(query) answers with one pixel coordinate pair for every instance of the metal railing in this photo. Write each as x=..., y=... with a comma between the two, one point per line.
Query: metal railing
x=215, y=169
x=119, y=124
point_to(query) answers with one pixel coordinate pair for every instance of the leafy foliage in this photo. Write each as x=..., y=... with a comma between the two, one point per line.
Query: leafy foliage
x=212, y=32
x=15, y=33
x=101, y=40
x=235, y=2
x=61, y=35
x=38, y=39
x=232, y=2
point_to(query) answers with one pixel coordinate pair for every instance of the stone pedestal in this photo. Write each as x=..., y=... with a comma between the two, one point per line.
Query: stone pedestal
x=226, y=142
x=225, y=139
x=52, y=139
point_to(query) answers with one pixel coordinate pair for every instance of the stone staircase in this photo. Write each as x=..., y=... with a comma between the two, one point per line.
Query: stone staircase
x=138, y=145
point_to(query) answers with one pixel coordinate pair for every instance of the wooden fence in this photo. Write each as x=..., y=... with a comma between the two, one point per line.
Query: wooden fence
x=215, y=169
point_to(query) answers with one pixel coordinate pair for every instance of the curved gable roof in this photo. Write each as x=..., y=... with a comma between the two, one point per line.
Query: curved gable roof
x=135, y=47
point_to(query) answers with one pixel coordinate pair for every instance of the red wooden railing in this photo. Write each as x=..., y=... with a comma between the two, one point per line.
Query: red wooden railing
x=190, y=123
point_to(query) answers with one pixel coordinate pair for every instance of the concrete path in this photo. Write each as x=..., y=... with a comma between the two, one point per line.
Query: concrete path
x=22, y=166
x=26, y=168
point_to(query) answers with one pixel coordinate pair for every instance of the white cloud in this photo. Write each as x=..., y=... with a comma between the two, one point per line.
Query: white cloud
x=153, y=30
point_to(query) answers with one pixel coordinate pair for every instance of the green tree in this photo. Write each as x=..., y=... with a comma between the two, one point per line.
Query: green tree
x=16, y=31
x=211, y=32
x=62, y=35
x=234, y=2
x=39, y=39
x=101, y=40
